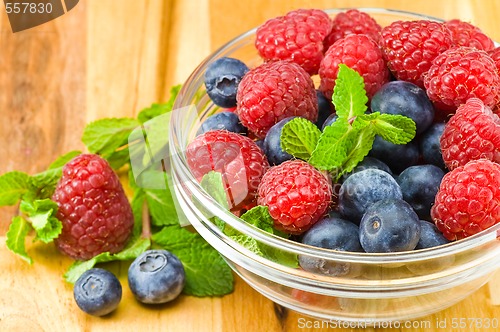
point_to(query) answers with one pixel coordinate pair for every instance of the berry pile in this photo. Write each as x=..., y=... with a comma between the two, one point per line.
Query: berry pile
x=416, y=186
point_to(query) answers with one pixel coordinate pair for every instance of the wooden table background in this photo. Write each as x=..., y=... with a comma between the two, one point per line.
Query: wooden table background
x=110, y=58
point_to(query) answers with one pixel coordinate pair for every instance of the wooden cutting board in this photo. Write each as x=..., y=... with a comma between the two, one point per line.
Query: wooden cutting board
x=111, y=58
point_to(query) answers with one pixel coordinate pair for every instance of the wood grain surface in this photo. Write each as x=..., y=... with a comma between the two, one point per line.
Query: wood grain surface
x=110, y=58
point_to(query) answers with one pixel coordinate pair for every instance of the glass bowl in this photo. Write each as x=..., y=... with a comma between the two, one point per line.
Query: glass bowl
x=375, y=287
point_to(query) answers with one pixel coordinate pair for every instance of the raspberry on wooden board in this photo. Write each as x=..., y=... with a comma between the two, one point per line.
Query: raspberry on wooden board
x=94, y=211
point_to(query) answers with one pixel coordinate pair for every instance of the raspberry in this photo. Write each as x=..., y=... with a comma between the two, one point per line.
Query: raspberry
x=466, y=34
x=468, y=200
x=274, y=91
x=410, y=47
x=298, y=36
x=354, y=22
x=94, y=211
x=240, y=161
x=360, y=53
x=461, y=73
x=473, y=132
x=296, y=194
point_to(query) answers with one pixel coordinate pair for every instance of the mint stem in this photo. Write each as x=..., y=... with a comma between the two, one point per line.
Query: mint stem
x=146, y=221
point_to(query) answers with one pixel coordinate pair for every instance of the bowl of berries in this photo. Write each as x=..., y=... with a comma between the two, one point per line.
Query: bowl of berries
x=345, y=163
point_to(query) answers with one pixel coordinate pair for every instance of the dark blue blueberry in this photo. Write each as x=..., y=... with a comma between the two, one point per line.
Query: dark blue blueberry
x=404, y=98
x=331, y=233
x=223, y=120
x=389, y=225
x=420, y=185
x=364, y=188
x=430, y=147
x=156, y=276
x=272, y=143
x=222, y=79
x=325, y=108
x=396, y=156
x=97, y=292
x=260, y=144
x=329, y=120
x=367, y=162
x=430, y=236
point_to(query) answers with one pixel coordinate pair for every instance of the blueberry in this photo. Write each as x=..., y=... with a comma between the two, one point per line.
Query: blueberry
x=97, y=292
x=260, y=144
x=389, y=225
x=324, y=108
x=363, y=188
x=331, y=233
x=430, y=236
x=156, y=276
x=329, y=120
x=420, y=185
x=272, y=143
x=367, y=162
x=430, y=147
x=222, y=79
x=223, y=120
x=396, y=156
x=404, y=98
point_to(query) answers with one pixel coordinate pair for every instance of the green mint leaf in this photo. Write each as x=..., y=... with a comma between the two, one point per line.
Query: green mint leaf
x=330, y=151
x=397, y=129
x=248, y=243
x=349, y=95
x=207, y=274
x=259, y=217
x=130, y=252
x=42, y=215
x=64, y=159
x=299, y=138
x=358, y=143
x=13, y=185
x=159, y=109
x=213, y=184
x=137, y=204
x=16, y=235
x=118, y=158
x=104, y=136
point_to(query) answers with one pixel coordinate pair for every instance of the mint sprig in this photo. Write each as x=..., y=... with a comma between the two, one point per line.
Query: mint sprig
x=345, y=143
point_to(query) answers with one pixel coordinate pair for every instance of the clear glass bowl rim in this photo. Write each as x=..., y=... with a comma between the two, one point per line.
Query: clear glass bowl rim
x=469, y=243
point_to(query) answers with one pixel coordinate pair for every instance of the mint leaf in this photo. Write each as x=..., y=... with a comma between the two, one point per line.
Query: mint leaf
x=248, y=242
x=16, y=235
x=42, y=215
x=104, y=136
x=299, y=138
x=358, y=143
x=259, y=217
x=207, y=274
x=13, y=185
x=132, y=251
x=397, y=129
x=118, y=158
x=137, y=205
x=279, y=256
x=213, y=184
x=349, y=95
x=329, y=152
x=159, y=109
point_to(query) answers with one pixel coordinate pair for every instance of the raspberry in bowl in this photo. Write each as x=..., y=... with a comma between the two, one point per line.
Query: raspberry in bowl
x=335, y=281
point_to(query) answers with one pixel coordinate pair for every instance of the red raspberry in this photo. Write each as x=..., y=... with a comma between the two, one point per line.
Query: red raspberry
x=94, y=211
x=274, y=91
x=468, y=200
x=461, y=73
x=411, y=46
x=466, y=34
x=354, y=22
x=298, y=36
x=473, y=132
x=358, y=52
x=296, y=194
x=239, y=160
